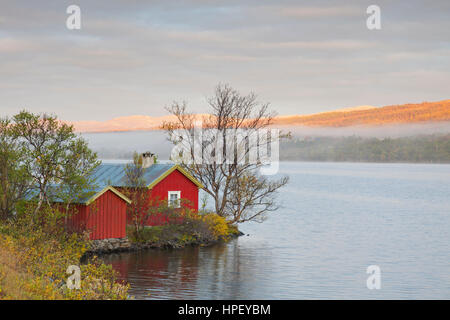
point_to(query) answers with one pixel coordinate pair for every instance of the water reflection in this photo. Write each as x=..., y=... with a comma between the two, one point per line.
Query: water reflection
x=149, y=270
x=216, y=272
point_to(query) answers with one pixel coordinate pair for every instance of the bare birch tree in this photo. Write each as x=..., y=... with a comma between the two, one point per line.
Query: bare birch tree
x=227, y=156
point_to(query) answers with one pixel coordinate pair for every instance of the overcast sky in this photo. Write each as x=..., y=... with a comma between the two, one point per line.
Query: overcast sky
x=136, y=57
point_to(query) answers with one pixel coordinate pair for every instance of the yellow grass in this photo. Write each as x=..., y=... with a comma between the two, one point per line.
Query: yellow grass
x=17, y=284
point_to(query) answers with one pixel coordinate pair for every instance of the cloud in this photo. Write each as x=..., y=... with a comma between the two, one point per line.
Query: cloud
x=11, y=45
x=332, y=44
x=135, y=57
x=315, y=12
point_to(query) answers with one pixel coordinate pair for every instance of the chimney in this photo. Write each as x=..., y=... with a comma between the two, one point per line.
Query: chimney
x=148, y=159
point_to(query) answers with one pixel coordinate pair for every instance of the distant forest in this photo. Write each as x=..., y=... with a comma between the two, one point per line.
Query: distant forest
x=425, y=149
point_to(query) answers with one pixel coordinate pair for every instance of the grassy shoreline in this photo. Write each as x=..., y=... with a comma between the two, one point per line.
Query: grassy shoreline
x=34, y=262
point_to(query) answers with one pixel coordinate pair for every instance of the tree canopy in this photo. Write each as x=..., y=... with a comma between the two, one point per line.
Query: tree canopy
x=44, y=159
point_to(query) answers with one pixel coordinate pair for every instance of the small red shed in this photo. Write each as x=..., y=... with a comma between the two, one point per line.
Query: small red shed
x=103, y=215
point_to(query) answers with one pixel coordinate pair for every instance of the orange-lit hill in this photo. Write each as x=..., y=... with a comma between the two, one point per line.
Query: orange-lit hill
x=128, y=123
x=362, y=115
x=406, y=113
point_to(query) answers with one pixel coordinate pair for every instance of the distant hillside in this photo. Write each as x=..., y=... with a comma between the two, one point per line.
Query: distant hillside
x=406, y=113
x=362, y=115
x=127, y=123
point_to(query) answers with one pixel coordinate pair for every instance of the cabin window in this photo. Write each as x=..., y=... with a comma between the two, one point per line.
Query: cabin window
x=174, y=199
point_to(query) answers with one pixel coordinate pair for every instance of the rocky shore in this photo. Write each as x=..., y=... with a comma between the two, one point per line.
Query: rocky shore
x=106, y=246
x=110, y=245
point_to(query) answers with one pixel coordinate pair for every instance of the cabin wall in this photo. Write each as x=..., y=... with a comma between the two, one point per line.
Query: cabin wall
x=105, y=218
x=77, y=219
x=175, y=181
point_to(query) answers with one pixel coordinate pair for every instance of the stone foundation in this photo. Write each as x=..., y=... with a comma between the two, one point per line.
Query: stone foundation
x=109, y=245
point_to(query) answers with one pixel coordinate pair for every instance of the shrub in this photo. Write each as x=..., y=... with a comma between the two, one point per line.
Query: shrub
x=218, y=225
x=192, y=228
x=42, y=253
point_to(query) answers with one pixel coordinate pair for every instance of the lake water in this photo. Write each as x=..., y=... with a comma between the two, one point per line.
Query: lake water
x=336, y=220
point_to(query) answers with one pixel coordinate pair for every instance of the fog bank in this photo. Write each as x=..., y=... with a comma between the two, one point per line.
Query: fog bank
x=385, y=131
x=121, y=145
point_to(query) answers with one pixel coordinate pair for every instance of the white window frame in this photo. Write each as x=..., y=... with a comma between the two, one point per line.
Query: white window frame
x=178, y=193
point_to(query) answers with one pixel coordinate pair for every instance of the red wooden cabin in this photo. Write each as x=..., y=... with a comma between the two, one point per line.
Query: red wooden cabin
x=103, y=215
x=165, y=182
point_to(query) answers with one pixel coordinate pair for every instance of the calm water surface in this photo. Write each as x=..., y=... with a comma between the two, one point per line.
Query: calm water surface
x=336, y=220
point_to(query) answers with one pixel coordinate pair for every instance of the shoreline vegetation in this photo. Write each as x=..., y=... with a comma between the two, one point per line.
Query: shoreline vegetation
x=195, y=230
x=34, y=262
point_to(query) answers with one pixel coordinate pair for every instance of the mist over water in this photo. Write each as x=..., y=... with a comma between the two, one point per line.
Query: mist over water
x=121, y=145
x=385, y=131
